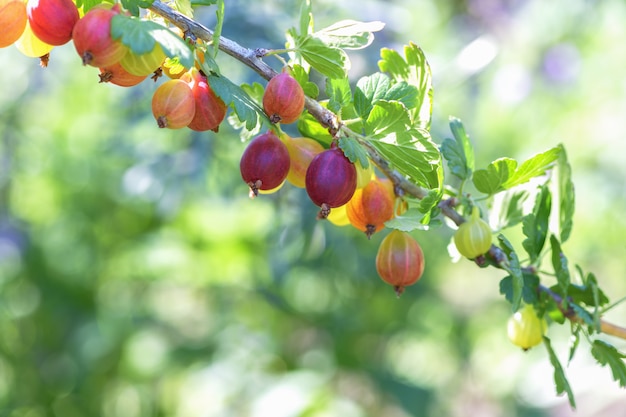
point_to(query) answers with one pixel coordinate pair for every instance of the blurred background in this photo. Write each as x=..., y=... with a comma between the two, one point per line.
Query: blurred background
x=138, y=279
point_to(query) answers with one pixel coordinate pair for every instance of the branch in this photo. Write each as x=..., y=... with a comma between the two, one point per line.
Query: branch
x=252, y=59
x=328, y=119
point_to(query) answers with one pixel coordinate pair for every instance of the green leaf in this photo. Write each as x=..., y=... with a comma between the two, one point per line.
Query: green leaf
x=510, y=209
x=559, y=263
x=387, y=117
x=353, y=150
x=560, y=380
x=89, y=4
x=184, y=7
x=504, y=173
x=417, y=158
x=245, y=107
x=566, y=195
x=310, y=127
x=131, y=5
x=349, y=34
x=458, y=151
x=515, y=271
x=585, y=316
x=217, y=31
x=203, y=2
x=491, y=180
x=536, y=225
x=534, y=167
x=409, y=220
x=574, y=343
x=142, y=35
x=415, y=71
x=588, y=294
x=255, y=92
x=368, y=91
x=606, y=354
x=306, y=18
x=431, y=201
x=339, y=93
x=330, y=61
x=299, y=73
x=530, y=283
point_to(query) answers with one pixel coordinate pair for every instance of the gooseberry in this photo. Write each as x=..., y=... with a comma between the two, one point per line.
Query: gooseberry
x=13, y=20
x=301, y=153
x=283, y=99
x=400, y=260
x=363, y=175
x=210, y=109
x=116, y=74
x=473, y=238
x=52, y=21
x=264, y=163
x=525, y=329
x=30, y=45
x=143, y=64
x=371, y=206
x=92, y=38
x=330, y=180
x=173, y=105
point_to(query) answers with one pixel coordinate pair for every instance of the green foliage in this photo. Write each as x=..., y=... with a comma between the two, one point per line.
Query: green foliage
x=559, y=263
x=566, y=195
x=509, y=287
x=415, y=71
x=329, y=61
x=339, y=93
x=513, y=267
x=300, y=74
x=606, y=354
x=133, y=6
x=504, y=173
x=458, y=152
x=88, y=4
x=511, y=210
x=247, y=110
x=414, y=154
x=353, y=150
x=349, y=34
x=217, y=31
x=560, y=380
x=536, y=224
x=142, y=35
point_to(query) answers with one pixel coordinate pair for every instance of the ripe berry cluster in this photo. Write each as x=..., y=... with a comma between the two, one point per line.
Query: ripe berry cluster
x=345, y=192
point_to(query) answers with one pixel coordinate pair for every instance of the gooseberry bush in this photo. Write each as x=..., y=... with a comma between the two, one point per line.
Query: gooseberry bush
x=365, y=155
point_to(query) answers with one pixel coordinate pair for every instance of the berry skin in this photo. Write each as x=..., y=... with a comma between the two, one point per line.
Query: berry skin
x=13, y=20
x=92, y=38
x=265, y=163
x=173, y=105
x=400, y=260
x=52, y=21
x=371, y=206
x=283, y=100
x=473, y=238
x=116, y=74
x=301, y=153
x=30, y=45
x=525, y=329
x=210, y=109
x=330, y=180
x=144, y=64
